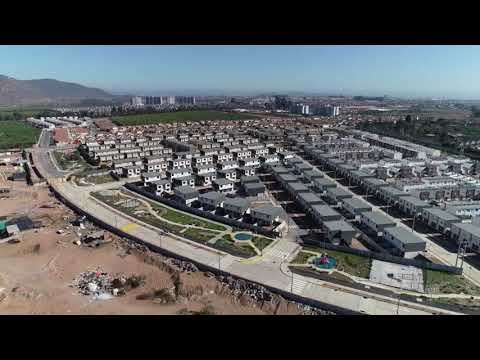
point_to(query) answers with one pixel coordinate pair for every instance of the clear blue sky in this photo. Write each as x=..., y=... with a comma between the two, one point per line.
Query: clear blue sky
x=434, y=71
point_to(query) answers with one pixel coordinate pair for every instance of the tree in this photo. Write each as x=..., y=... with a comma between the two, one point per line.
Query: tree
x=408, y=119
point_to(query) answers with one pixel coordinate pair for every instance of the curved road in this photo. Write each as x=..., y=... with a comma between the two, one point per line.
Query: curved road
x=270, y=269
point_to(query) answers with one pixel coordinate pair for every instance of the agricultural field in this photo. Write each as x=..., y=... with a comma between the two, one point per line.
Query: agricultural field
x=18, y=113
x=15, y=134
x=179, y=116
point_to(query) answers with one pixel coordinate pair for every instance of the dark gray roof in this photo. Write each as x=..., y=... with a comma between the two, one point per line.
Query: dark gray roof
x=442, y=214
x=314, y=173
x=394, y=191
x=179, y=171
x=375, y=182
x=212, y=195
x=250, y=179
x=469, y=228
x=338, y=225
x=187, y=190
x=361, y=174
x=339, y=192
x=253, y=186
x=324, y=210
x=309, y=197
x=303, y=166
x=161, y=182
x=151, y=174
x=357, y=203
x=404, y=236
x=269, y=210
x=280, y=170
x=378, y=218
x=222, y=181
x=288, y=177
x=298, y=187
x=415, y=201
x=324, y=182
x=227, y=171
x=240, y=202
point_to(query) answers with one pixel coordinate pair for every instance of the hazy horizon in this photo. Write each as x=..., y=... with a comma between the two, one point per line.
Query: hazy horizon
x=414, y=71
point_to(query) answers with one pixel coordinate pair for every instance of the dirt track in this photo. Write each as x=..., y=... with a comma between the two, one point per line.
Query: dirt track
x=35, y=274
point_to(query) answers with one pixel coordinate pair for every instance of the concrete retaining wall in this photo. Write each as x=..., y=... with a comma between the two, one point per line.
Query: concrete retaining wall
x=287, y=295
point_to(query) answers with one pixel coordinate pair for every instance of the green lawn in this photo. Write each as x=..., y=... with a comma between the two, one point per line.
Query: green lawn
x=349, y=263
x=261, y=242
x=145, y=217
x=445, y=283
x=185, y=219
x=16, y=134
x=301, y=258
x=72, y=161
x=227, y=244
x=16, y=113
x=179, y=116
x=102, y=179
x=198, y=235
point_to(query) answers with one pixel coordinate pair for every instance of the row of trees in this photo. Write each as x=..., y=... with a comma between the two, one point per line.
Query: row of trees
x=11, y=116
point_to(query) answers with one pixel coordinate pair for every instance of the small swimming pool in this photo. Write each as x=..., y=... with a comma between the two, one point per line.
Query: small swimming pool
x=243, y=237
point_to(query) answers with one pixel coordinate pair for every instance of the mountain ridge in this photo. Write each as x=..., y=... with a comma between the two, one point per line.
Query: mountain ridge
x=46, y=91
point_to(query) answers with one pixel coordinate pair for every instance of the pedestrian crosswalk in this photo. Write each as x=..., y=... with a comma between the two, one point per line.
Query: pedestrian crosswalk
x=278, y=254
x=297, y=286
x=222, y=262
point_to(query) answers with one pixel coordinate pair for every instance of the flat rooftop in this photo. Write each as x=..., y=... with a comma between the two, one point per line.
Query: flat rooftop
x=442, y=214
x=378, y=218
x=357, y=203
x=324, y=210
x=338, y=225
x=404, y=236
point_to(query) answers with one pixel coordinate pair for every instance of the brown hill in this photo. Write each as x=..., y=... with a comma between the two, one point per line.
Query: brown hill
x=45, y=91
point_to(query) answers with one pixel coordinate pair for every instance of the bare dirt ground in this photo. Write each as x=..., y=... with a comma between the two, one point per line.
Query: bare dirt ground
x=36, y=274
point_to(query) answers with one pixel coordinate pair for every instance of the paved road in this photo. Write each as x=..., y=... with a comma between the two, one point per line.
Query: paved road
x=266, y=270
x=41, y=157
x=438, y=252
x=271, y=269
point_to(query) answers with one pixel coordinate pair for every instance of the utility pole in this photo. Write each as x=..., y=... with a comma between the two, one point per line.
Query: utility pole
x=460, y=252
x=291, y=282
x=398, y=303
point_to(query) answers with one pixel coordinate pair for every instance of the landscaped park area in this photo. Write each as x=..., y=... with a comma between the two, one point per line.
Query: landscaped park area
x=206, y=232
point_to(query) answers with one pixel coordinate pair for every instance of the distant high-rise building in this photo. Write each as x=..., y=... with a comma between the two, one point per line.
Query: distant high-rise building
x=325, y=110
x=185, y=100
x=136, y=101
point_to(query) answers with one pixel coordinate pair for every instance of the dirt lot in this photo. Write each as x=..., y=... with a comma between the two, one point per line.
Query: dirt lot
x=36, y=274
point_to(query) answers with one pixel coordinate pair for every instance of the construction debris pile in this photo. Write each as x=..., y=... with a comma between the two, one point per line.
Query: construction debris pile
x=310, y=310
x=237, y=287
x=241, y=287
x=183, y=266
x=102, y=285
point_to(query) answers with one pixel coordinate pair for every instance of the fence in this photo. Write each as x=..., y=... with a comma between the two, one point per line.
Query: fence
x=391, y=258
x=202, y=267
x=204, y=214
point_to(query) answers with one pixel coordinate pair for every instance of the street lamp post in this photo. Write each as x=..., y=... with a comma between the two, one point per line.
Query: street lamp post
x=413, y=223
x=291, y=282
